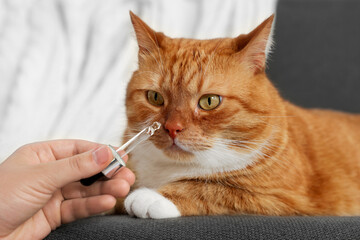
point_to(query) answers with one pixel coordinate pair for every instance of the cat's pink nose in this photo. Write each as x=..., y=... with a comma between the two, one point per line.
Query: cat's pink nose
x=173, y=128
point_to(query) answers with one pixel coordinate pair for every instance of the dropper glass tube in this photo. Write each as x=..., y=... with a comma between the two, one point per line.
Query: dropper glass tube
x=118, y=162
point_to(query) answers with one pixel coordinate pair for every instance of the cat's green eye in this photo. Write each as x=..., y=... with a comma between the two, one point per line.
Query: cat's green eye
x=155, y=98
x=209, y=101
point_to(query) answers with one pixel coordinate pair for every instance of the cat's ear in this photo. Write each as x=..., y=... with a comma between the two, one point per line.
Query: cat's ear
x=254, y=47
x=148, y=40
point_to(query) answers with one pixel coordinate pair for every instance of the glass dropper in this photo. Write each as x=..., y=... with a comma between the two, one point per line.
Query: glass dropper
x=118, y=162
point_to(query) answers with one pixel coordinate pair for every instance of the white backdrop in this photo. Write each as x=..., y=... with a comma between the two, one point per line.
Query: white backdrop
x=64, y=64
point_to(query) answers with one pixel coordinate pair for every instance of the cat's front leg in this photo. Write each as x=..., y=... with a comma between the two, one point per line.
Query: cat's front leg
x=183, y=198
x=190, y=198
x=148, y=203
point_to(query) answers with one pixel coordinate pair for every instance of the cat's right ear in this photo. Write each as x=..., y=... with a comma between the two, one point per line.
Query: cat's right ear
x=254, y=46
x=148, y=40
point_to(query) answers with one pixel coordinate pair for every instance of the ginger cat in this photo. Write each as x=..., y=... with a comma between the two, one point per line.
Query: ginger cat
x=229, y=144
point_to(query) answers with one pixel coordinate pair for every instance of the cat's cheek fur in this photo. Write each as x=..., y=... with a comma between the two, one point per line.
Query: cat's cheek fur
x=148, y=203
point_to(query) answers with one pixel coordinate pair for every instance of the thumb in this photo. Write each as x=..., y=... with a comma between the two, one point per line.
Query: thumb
x=71, y=169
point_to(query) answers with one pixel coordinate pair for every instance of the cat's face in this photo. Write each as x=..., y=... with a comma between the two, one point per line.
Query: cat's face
x=207, y=94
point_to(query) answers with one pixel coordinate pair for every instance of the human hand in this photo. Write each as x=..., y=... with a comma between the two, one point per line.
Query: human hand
x=39, y=188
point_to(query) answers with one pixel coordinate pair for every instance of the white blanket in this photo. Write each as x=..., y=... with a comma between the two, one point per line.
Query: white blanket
x=64, y=64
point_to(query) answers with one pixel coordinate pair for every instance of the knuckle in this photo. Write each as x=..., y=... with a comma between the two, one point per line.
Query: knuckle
x=129, y=176
x=24, y=148
x=125, y=188
x=75, y=163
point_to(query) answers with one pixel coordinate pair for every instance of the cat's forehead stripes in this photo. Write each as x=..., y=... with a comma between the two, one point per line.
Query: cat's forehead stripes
x=187, y=67
x=189, y=63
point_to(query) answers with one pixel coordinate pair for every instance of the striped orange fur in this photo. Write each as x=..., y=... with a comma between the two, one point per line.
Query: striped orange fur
x=255, y=153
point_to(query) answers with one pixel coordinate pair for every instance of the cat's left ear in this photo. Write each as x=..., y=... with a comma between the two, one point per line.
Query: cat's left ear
x=148, y=40
x=254, y=47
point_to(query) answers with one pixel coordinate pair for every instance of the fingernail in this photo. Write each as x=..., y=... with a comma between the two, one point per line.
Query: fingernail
x=101, y=155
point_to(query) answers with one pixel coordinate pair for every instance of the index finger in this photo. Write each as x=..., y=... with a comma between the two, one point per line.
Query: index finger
x=65, y=148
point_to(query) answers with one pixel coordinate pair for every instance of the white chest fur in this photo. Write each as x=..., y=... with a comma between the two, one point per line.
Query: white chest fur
x=154, y=169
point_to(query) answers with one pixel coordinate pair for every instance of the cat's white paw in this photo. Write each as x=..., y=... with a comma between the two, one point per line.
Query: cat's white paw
x=147, y=203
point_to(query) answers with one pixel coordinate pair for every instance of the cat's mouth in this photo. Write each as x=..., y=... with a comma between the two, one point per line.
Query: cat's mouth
x=177, y=149
x=177, y=146
x=182, y=148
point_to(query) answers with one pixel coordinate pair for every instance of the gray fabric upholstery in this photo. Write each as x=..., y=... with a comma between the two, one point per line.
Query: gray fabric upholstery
x=316, y=63
x=211, y=227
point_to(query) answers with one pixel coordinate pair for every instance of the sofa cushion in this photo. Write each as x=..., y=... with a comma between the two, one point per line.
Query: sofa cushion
x=211, y=227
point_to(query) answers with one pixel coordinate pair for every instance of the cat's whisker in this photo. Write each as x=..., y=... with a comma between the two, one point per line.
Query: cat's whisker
x=268, y=145
x=263, y=144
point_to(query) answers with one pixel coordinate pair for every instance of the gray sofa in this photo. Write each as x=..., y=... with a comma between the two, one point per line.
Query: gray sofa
x=316, y=63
